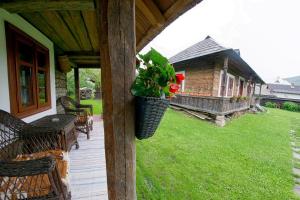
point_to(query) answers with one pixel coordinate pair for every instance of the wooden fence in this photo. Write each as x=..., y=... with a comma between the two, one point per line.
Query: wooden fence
x=212, y=105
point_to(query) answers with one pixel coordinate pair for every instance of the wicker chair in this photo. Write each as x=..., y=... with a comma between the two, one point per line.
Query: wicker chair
x=28, y=178
x=84, y=121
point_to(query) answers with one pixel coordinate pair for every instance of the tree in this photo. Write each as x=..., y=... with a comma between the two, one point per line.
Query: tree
x=89, y=78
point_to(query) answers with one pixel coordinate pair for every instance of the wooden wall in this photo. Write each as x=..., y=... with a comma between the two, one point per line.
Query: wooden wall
x=203, y=77
x=199, y=77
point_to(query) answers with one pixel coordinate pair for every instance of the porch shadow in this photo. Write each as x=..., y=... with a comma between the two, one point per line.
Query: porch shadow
x=87, y=166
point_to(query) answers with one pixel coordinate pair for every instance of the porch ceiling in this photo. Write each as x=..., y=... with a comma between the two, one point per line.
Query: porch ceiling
x=72, y=24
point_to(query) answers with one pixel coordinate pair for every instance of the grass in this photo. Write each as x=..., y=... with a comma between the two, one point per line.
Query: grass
x=97, y=105
x=250, y=158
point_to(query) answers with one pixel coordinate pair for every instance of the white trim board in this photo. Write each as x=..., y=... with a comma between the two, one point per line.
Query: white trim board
x=26, y=27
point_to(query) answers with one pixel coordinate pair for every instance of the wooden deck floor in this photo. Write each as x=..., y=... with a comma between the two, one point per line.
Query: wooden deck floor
x=87, y=167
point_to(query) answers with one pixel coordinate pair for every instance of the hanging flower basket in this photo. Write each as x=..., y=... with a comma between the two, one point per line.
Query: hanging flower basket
x=155, y=84
x=149, y=112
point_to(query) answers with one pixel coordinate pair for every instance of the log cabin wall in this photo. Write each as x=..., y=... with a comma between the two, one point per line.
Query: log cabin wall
x=203, y=77
x=199, y=77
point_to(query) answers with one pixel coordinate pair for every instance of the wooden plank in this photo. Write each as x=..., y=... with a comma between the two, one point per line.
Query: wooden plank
x=81, y=60
x=92, y=28
x=77, y=84
x=76, y=25
x=21, y=6
x=151, y=11
x=55, y=21
x=88, y=173
x=38, y=21
x=177, y=9
x=117, y=47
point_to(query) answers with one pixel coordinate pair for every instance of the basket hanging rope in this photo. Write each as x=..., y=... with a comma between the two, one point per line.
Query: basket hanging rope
x=149, y=112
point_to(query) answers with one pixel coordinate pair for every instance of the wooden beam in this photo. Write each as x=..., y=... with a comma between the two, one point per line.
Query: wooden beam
x=177, y=9
x=151, y=12
x=77, y=85
x=24, y=6
x=92, y=28
x=55, y=21
x=117, y=51
x=75, y=22
x=37, y=20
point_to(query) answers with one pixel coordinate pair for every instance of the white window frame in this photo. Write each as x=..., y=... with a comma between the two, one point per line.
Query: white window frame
x=238, y=90
x=227, y=84
x=183, y=82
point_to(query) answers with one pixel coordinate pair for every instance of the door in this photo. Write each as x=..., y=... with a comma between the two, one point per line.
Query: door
x=241, y=88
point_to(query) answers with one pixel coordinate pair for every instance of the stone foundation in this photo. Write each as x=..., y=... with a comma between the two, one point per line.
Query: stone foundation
x=220, y=120
x=61, y=88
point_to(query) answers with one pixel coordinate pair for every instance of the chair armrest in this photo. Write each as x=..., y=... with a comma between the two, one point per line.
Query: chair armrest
x=86, y=106
x=74, y=111
x=27, y=168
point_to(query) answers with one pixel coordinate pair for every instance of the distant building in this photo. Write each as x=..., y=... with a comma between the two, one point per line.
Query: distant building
x=284, y=91
x=217, y=80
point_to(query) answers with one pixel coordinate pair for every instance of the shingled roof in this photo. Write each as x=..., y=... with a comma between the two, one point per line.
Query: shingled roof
x=202, y=48
x=209, y=46
x=281, y=88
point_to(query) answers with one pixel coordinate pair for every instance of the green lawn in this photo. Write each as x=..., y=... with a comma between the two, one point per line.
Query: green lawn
x=97, y=105
x=190, y=159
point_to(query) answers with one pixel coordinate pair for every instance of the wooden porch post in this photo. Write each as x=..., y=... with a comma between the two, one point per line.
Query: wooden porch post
x=225, y=69
x=117, y=51
x=260, y=89
x=77, y=84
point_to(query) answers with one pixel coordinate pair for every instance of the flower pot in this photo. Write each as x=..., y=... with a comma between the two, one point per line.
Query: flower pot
x=64, y=64
x=149, y=112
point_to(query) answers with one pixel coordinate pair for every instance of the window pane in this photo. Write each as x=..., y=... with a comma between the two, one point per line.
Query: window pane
x=25, y=53
x=42, y=87
x=222, y=93
x=41, y=59
x=230, y=87
x=26, y=86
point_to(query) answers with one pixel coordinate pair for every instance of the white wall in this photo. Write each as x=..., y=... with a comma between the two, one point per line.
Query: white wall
x=23, y=25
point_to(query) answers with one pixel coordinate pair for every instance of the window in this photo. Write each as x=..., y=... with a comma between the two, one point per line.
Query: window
x=230, y=86
x=249, y=89
x=240, y=91
x=29, y=75
x=226, y=89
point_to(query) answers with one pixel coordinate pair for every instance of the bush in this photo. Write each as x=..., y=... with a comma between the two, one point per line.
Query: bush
x=291, y=106
x=270, y=104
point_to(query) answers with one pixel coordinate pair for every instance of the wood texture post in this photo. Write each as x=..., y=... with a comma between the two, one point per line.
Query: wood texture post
x=225, y=69
x=117, y=51
x=260, y=90
x=77, y=84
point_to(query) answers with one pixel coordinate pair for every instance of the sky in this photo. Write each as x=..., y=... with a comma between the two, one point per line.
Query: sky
x=267, y=32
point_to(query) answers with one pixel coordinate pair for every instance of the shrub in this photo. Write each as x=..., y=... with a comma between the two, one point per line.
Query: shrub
x=270, y=104
x=291, y=106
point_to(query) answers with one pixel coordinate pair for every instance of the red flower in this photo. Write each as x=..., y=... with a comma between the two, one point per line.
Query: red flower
x=174, y=88
x=179, y=78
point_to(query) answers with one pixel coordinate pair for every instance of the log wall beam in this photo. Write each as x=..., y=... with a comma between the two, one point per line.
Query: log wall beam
x=21, y=6
x=117, y=51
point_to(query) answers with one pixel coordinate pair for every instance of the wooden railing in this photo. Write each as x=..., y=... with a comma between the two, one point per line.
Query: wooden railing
x=213, y=105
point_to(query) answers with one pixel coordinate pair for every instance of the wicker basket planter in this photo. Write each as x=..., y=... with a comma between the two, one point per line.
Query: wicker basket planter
x=149, y=112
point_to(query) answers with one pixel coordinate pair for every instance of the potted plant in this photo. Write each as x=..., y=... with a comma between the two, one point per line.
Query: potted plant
x=153, y=87
x=239, y=98
x=233, y=99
